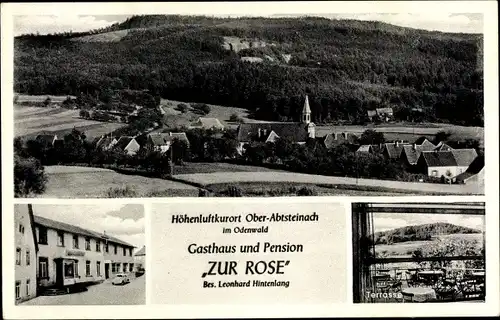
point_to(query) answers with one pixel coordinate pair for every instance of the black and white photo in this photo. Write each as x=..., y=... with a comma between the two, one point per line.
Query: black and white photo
x=79, y=254
x=220, y=105
x=418, y=252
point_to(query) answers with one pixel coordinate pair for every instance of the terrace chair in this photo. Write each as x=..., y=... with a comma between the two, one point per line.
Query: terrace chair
x=407, y=297
x=446, y=290
x=411, y=278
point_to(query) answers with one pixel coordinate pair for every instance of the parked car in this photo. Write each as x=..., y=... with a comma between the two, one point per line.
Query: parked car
x=120, y=278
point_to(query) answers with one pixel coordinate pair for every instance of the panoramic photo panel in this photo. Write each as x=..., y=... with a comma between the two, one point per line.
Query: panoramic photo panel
x=109, y=106
x=418, y=252
x=79, y=254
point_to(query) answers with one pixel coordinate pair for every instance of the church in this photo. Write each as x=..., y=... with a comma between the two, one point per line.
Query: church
x=298, y=132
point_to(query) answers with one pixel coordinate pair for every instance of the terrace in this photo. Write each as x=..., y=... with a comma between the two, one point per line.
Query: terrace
x=443, y=276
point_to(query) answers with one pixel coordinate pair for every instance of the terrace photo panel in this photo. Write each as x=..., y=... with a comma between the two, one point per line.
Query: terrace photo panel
x=418, y=252
x=230, y=105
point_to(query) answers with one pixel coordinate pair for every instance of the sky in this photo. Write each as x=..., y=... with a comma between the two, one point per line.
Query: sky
x=125, y=222
x=434, y=21
x=387, y=221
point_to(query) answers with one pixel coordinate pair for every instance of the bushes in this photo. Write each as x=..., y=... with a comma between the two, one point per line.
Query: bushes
x=29, y=177
x=124, y=192
x=201, y=108
x=307, y=191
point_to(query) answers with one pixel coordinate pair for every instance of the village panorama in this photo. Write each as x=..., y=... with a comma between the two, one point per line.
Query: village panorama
x=196, y=106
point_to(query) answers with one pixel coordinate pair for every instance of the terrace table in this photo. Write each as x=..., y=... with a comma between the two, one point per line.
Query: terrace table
x=420, y=294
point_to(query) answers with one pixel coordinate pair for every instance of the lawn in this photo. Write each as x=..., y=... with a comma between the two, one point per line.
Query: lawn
x=211, y=167
x=409, y=188
x=86, y=182
x=30, y=120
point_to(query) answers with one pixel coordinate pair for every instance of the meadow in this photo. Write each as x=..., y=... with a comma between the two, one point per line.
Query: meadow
x=87, y=182
x=32, y=120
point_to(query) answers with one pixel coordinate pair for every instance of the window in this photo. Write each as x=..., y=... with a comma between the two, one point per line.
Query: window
x=42, y=235
x=21, y=228
x=43, y=267
x=98, y=268
x=18, y=256
x=434, y=173
x=75, y=242
x=124, y=251
x=28, y=287
x=87, y=243
x=106, y=247
x=18, y=289
x=116, y=249
x=124, y=267
x=113, y=267
x=130, y=251
x=28, y=261
x=60, y=238
x=87, y=268
x=97, y=246
x=76, y=269
x=131, y=267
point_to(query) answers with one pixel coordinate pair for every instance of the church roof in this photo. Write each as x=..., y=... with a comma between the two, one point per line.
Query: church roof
x=292, y=130
x=306, y=108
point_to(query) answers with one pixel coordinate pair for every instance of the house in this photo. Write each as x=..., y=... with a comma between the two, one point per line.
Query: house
x=26, y=253
x=371, y=114
x=411, y=152
x=365, y=148
x=70, y=255
x=447, y=164
x=140, y=260
x=47, y=139
x=207, y=124
x=161, y=141
x=334, y=139
x=127, y=144
x=105, y=142
x=297, y=132
x=385, y=113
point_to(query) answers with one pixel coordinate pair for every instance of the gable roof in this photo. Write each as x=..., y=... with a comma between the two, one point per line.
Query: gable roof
x=464, y=157
x=394, y=149
x=161, y=139
x=439, y=158
x=336, y=138
x=443, y=147
x=365, y=148
x=141, y=252
x=384, y=110
x=412, y=151
x=123, y=142
x=477, y=165
x=181, y=136
x=293, y=130
x=105, y=142
x=208, y=123
x=49, y=223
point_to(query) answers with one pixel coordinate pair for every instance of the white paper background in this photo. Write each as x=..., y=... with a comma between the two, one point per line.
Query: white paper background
x=316, y=275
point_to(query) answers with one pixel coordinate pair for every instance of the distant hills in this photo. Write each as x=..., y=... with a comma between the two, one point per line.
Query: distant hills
x=345, y=66
x=420, y=232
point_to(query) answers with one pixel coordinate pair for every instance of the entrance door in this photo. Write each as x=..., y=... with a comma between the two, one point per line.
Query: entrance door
x=59, y=272
x=106, y=270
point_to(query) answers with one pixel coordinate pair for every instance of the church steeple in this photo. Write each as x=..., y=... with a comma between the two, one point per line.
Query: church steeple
x=306, y=112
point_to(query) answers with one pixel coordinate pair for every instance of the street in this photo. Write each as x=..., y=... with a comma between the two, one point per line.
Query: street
x=100, y=294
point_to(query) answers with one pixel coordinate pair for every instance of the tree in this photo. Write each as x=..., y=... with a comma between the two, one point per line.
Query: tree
x=47, y=102
x=371, y=137
x=441, y=136
x=29, y=177
x=182, y=107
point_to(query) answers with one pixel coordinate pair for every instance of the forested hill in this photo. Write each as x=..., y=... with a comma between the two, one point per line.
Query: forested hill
x=346, y=66
x=419, y=232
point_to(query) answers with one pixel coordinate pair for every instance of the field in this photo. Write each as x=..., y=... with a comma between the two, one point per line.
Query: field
x=84, y=182
x=29, y=120
x=204, y=179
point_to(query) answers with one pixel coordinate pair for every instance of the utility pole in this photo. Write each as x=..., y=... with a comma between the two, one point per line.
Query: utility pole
x=171, y=162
